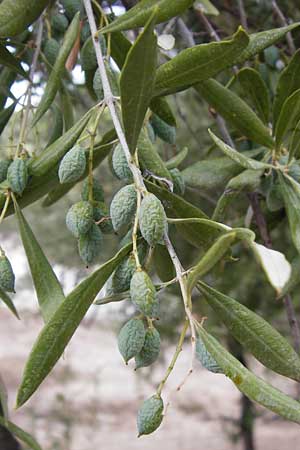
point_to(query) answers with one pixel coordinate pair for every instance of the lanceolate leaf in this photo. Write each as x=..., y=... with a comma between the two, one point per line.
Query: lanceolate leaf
x=149, y=157
x=5, y=115
x=20, y=434
x=211, y=258
x=54, y=80
x=252, y=386
x=254, y=333
x=239, y=158
x=10, y=61
x=56, y=334
x=139, y=14
x=177, y=159
x=3, y=400
x=290, y=190
x=260, y=41
x=9, y=303
x=137, y=82
x=294, y=143
x=16, y=15
x=256, y=90
x=48, y=289
x=289, y=82
x=288, y=117
x=235, y=111
x=199, y=63
x=207, y=7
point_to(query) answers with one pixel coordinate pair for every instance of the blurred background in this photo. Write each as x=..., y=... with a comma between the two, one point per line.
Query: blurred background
x=90, y=399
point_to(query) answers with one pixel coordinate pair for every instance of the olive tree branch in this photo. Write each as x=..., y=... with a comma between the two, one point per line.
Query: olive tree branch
x=283, y=22
x=137, y=175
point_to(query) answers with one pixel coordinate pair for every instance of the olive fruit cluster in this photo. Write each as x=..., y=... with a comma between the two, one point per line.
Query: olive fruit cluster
x=87, y=219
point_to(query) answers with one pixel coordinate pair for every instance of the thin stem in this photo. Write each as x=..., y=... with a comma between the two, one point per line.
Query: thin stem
x=37, y=50
x=5, y=207
x=137, y=175
x=175, y=357
x=93, y=135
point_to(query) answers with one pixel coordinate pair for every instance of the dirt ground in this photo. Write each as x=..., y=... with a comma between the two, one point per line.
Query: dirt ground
x=89, y=401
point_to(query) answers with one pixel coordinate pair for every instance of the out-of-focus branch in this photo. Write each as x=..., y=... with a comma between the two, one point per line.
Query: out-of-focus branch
x=242, y=13
x=283, y=22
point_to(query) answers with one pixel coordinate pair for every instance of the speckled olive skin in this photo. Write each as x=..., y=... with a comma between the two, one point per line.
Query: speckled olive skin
x=205, y=358
x=17, y=175
x=143, y=294
x=120, y=164
x=150, y=351
x=90, y=244
x=7, y=276
x=150, y=415
x=123, y=207
x=4, y=165
x=152, y=219
x=80, y=218
x=163, y=130
x=131, y=339
x=72, y=165
x=98, y=193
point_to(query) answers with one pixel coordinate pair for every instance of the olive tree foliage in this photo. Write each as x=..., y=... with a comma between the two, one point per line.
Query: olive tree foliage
x=250, y=174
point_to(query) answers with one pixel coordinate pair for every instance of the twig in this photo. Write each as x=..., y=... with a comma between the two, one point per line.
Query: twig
x=37, y=50
x=137, y=175
x=283, y=22
x=186, y=33
x=287, y=300
x=210, y=29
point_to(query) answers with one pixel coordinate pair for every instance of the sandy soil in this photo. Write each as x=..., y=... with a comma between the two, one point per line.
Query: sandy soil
x=90, y=399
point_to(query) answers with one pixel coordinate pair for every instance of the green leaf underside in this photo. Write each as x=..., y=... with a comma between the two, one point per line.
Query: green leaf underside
x=48, y=289
x=56, y=334
x=140, y=13
x=256, y=90
x=254, y=333
x=249, y=384
x=199, y=63
x=235, y=111
x=288, y=118
x=137, y=82
x=290, y=190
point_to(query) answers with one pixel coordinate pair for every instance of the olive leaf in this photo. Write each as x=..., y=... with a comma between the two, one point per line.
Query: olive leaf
x=5, y=115
x=275, y=265
x=56, y=334
x=7, y=59
x=259, y=41
x=57, y=129
x=256, y=90
x=149, y=157
x=207, y=7
x=140, y=13
x=54, y=81
x=161, y=108
x=235, y=111
x=137, y=82
x=249, y=384
x=290, y=190
x=20, y=434
x=9, y=303
x=288, y=118
x=239, y=158
x=294, y=143
x=211, y=258
x=177, y=159
x=254, y=333
x=48, y=289
x=16, y=15
x=7, y=78
x=289, y=82
x=3, y=400
x=199, y=63
x=247, y=181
